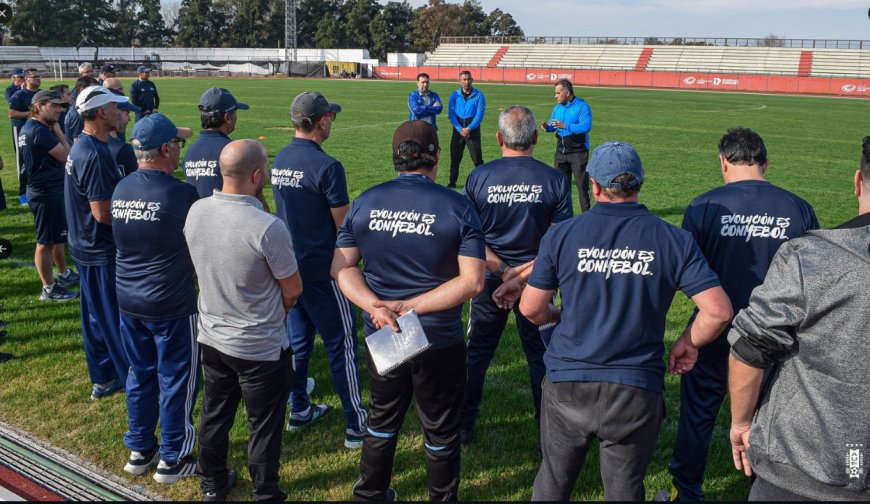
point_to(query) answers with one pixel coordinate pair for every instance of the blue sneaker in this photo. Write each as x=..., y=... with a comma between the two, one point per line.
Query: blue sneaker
x=99, y=391
x=69, y=279
x=315, y=413
x=56, y=292
x=23, y=200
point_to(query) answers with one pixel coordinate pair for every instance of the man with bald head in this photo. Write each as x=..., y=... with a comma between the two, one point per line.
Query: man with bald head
x=245, y=293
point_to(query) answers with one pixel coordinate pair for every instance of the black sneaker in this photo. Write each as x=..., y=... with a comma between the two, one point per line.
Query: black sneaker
x=186, y=466
x=139, y=462
x=56, y=292
x=221, y=494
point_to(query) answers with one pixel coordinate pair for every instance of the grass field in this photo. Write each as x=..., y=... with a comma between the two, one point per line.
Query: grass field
x=813, y=144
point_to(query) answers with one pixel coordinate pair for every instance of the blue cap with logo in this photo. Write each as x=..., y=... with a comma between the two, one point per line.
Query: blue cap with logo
x=18, y=72
x=220, y=100
x=612, y=159
x=154, y=130
x=143, y=68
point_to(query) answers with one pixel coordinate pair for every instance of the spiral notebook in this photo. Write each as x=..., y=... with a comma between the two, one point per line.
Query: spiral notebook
x=390, y=350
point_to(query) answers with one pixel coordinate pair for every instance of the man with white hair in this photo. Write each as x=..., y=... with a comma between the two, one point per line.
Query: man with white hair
x=157, y=300
x=91, y=177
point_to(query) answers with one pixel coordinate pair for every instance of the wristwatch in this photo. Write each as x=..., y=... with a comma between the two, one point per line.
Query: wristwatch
x=501, y=269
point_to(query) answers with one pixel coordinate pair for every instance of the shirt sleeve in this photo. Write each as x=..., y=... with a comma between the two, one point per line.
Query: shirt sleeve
x=345, y=237
x=277, y=247
x=764, y=332
x=134, y=92
x=451, y=112
x=696, y=275
x=690, y=223
x=584, y=120
x=471, y=243
x=127, y=159
x=98, y=181
x=435, y=109
x=45, y=140
x=156, y=97
x=478, y=115
x=334, y=186
x=544, y=274
x=417, y=108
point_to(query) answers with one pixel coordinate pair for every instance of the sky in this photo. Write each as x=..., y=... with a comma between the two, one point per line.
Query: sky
x=797, y=19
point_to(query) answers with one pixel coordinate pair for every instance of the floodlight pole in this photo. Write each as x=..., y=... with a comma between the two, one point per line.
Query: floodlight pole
x=290, y=7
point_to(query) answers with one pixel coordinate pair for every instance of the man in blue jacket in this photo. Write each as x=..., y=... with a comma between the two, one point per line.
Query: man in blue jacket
x=465, y=109
x=423, y=103
x=571, y=120
x=143, y=93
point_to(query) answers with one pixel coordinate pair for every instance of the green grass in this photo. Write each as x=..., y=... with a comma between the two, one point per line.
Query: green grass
x=813, y=146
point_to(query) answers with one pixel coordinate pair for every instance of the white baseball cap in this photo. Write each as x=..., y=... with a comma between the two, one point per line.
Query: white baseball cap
x=97, y=96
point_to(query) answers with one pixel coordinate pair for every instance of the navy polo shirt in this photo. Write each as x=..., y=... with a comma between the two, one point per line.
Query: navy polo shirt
x=73, y=125
x=201, y=167
x=20, y=102
x=44, y=173
x=11, y=90
x=154, y=270
x=739, y=227
x=409, y=232
x=518, y=198
x=306, y=184
x=123, y=154
x=617, y=267
x=91, y=175
x=144, y=94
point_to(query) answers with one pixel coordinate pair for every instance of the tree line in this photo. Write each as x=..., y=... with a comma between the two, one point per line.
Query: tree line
x=354, y=24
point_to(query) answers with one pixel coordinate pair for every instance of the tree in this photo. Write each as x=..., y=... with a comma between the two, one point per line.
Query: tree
x=31, y=26
x=152, y=31
x=358, y=17
x=474, y=18
x=502, y=24
x=435, y=20
x=199, y=24
x=308, y=14
x=391, y=29
x=772, y=41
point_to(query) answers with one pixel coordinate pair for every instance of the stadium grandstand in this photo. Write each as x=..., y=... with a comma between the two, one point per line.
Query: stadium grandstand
x=769, y=65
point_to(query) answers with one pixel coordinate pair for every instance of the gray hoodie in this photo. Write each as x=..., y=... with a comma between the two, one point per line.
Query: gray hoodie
x=810, y=322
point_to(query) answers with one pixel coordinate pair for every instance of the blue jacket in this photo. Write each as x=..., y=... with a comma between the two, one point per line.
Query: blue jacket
x=577, y=117
x=144, y=94
x=466, y=112
x=419, y=109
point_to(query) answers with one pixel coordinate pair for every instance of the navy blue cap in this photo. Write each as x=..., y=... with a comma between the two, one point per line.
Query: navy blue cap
x=220, y=100
x=154, y=130
x=18, y=72
x=143, y=68
x=612, y=159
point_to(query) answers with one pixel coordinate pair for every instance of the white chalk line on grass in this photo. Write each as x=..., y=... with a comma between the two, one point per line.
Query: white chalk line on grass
x=760, y=106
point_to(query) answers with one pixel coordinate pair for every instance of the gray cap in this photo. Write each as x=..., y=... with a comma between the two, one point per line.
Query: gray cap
x=612, y=159
x=47, y=95
x=311, y=105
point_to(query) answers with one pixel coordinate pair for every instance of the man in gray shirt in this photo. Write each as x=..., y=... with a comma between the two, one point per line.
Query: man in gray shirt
x=248, y=281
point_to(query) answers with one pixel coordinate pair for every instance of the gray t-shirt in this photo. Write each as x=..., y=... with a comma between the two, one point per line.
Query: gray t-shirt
x=239, y=251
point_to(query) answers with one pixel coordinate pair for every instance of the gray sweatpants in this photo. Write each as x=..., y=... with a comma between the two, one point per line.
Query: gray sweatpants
x=627, y=421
